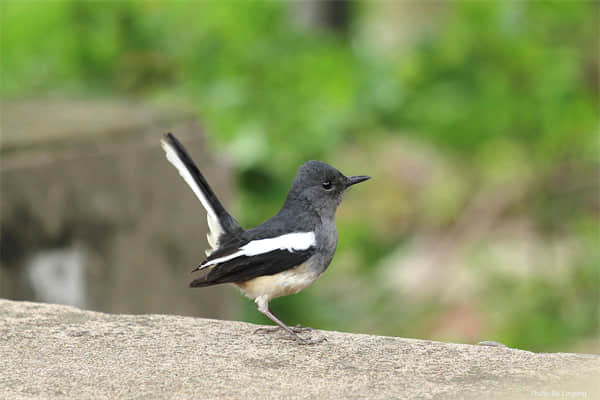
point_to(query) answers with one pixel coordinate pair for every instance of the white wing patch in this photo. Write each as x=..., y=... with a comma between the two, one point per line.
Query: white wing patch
x=215, y=229
x=290, y=242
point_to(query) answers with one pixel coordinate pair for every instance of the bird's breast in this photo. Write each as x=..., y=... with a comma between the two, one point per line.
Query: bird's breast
x=327, y=243
x=283, y=283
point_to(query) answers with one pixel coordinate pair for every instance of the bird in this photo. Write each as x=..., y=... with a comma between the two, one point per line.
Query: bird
x=279, y=257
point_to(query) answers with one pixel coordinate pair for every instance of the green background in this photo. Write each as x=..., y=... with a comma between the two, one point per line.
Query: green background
x=477, y=120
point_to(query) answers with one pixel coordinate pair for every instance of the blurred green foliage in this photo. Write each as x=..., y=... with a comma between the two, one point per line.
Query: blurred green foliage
x=507, y=89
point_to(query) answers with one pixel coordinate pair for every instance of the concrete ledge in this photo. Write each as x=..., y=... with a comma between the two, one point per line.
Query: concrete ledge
x=52, y=351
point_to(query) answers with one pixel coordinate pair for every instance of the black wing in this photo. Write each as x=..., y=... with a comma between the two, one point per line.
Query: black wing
x=244, y=268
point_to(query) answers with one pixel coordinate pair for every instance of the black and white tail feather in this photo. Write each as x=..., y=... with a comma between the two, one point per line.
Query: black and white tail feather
x=220, y=222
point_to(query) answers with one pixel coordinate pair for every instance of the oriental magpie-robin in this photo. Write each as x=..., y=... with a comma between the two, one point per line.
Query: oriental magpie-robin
x=284, y=254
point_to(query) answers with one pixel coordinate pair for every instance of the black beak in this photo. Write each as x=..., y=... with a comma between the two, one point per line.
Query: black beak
x=353, y=180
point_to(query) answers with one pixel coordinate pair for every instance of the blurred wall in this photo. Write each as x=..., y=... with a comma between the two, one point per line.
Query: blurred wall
x=94, y=216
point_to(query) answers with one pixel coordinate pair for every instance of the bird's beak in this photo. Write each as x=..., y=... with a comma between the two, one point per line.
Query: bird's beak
x=352, y=180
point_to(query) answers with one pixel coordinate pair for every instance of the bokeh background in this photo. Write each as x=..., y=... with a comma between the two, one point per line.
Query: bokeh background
x=477, y=120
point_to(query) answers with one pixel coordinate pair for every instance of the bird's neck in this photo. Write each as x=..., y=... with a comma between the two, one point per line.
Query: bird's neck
x=302, y=209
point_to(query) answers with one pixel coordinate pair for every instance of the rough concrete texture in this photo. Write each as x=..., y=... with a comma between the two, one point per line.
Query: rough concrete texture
x=52, y=351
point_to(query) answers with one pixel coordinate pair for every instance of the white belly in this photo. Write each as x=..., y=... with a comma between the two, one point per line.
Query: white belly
x=284, y=283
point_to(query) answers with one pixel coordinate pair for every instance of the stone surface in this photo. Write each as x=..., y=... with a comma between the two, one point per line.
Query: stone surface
x=51, y=351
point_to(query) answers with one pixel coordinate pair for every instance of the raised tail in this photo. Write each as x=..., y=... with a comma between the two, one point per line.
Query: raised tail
x=220, y=222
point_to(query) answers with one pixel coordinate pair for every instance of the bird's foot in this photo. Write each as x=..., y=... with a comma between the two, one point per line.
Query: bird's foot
x=293, y=331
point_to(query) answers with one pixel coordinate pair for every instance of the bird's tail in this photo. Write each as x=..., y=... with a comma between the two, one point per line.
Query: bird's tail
x=202, y=282
x=220, y=222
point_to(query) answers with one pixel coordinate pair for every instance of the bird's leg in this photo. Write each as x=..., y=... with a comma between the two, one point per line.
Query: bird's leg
x=274, y=318
x=263, y=307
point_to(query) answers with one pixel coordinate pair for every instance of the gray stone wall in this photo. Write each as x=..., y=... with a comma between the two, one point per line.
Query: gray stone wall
x=92, y=214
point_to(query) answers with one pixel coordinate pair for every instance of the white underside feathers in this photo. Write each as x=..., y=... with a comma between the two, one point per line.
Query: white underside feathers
x=291, y=242
x=215, y=229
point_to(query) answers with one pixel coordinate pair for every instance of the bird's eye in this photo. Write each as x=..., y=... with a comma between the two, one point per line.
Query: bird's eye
x=327, y=185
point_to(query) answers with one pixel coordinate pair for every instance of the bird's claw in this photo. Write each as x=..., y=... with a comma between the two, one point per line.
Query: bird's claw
x=266, y=330
x=295, y=330
x=299, y=329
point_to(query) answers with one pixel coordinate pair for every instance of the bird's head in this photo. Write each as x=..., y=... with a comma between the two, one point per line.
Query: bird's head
x=321, y=187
